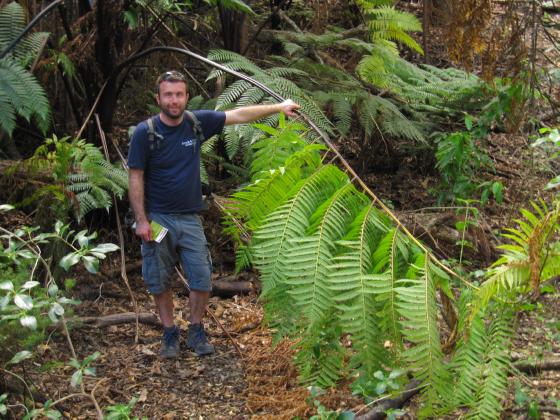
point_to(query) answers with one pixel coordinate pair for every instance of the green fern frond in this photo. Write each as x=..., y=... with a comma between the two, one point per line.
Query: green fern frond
x=273, y=151
x=522, y=265
x=495, y=369
x=390, y=24
x=417, y=305
x=354, y=286
x=308, y=258
x=20, y=94
x=320, y=355
x=466, y=365
x=291, y=221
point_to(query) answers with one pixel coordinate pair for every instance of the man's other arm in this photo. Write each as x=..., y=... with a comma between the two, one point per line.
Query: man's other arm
x=136, y=196
x=252, y=113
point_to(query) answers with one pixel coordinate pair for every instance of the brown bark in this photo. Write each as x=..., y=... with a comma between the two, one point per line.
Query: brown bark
x=536, y=367
x=227, y=289
x=113, y=319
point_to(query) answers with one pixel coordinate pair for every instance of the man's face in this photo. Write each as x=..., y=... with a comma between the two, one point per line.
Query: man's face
x=172, y=99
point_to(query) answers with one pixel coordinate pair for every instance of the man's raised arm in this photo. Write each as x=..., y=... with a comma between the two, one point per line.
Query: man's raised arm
x=252, y=113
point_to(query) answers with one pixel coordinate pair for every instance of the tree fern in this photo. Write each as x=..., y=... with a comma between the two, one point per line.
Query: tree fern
x=82, y=170
x=275, y=78
x=12, y=23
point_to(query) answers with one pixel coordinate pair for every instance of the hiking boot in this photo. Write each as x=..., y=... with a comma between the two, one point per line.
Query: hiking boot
x=197, y=341
x=170, y=343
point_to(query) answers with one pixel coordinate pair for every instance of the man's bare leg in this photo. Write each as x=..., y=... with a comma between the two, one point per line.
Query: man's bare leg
x=198, y=301
x=196, y=338
x=164, y=304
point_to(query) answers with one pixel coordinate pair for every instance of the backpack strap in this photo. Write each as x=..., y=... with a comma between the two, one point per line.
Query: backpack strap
x=153, y=136
x=199, y=133
x=197, y=126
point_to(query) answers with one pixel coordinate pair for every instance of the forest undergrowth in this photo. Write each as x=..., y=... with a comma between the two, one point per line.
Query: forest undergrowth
x=398, y=238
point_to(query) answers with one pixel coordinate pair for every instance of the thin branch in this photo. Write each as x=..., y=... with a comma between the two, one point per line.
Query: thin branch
x=121, y=236
x=211, y=314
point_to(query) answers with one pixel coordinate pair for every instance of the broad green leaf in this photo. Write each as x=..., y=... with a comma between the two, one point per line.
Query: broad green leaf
x=18, y=357
x=7, y=285
x=69, y=260
x=53, y=290
x=76, y=378
x=105, y=248
x=23, y=301
x=91, y=264
x=30, y=284
x=6, y=207
x=29, y=322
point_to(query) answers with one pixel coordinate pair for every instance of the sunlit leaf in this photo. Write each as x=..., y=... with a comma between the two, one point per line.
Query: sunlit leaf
x=18, y=357
x=29, y=322
x=23, y=301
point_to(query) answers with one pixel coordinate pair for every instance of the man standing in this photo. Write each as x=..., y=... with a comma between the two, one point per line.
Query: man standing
x=165, y=187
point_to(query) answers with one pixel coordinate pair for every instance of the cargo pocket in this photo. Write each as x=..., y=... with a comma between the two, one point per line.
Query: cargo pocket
x=150, y=267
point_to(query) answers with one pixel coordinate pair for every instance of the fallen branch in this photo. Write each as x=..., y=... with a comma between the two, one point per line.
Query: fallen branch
x=109, y=320
x=379, y=410
x=536, y=367
x=227, y=289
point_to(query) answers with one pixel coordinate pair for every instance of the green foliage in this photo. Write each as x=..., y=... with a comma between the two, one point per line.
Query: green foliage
x=22, y=300
x=380, y=384
x=280, y=79
x=493, y=368
x=122, y=411
x=533, y=256
x=387, y=26
x=550, y=142
x=459, y=161
x=83, y=368
x=20, y=94
x=12, y=23
x=233, y=5
x=332, y=265
x=79, y=171
x=28, y=307
x=324, y=413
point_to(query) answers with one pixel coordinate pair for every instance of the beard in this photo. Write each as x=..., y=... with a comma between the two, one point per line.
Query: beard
x=174, y=114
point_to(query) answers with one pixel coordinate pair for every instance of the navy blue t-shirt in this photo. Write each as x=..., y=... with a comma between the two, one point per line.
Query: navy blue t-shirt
x=172, y=171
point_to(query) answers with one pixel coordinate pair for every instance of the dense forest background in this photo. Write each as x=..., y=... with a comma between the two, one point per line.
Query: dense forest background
x=391, y=252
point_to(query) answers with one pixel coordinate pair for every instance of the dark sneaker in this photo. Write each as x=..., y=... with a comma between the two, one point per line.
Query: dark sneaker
x=197, y=341
x=170, y=343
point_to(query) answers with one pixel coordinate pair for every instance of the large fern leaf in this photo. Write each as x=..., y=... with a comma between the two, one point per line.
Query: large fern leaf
x=20, y=94
x=417, y=305
x=290, y=221
x=354, y=286
x=309, y=257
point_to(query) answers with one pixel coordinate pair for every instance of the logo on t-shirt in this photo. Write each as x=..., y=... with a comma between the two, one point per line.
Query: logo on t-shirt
x=187, y=143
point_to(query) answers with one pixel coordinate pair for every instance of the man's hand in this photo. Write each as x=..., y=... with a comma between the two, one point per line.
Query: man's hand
x=289, y=107
x=144, y=230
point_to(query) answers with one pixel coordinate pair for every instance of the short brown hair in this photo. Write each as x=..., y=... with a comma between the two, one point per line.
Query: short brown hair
x=172, y=76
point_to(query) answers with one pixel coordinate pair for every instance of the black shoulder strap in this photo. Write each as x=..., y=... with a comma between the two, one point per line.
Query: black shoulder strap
x=199, y=133
x=197, y=126
x=153, y=136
